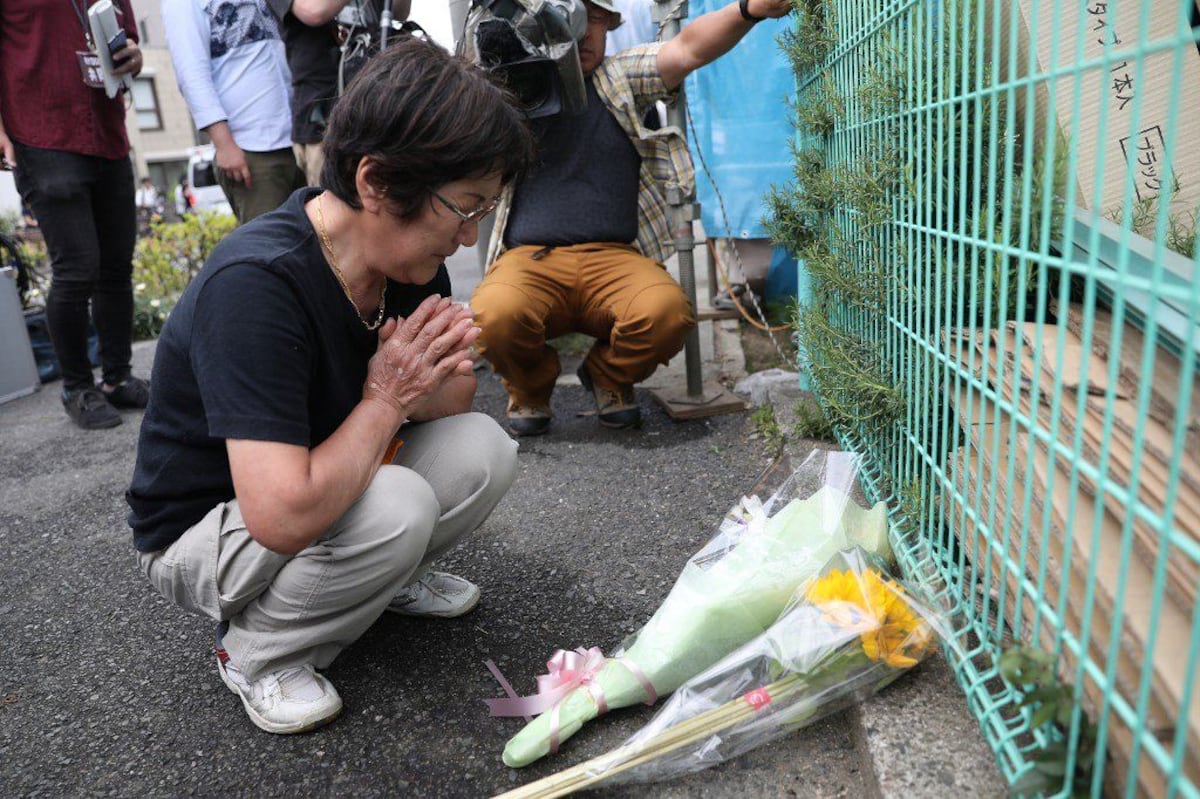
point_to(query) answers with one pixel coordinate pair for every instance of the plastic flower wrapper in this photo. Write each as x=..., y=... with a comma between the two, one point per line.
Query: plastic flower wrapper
x=728, y=593
x=850, y=631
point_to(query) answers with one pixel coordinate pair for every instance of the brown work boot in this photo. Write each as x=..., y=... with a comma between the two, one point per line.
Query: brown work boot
x=528, y=419
x=615, y=407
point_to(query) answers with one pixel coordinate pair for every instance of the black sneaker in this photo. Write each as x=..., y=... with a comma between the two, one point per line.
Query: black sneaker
x=89, y=409
x=614, y=407
x=132, y=392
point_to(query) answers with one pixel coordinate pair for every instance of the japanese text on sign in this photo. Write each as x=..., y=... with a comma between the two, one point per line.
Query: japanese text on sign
x=1122, y=78
x=1145, y=155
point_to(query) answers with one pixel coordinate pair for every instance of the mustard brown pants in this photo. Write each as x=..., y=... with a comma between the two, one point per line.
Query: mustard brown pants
x=636, y=311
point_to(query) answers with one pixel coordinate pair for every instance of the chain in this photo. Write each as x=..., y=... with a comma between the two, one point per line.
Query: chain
x=668, y=15
x=342, y=278
x=762, y=323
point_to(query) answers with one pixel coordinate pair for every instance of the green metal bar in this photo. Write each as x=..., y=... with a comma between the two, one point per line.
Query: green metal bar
x=982, y=236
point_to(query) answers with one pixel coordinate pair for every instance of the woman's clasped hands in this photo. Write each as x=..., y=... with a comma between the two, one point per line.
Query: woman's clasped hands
x=418, y=355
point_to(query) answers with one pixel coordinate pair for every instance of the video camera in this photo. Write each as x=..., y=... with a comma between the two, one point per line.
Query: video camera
x=366, y=27
x=532, y=46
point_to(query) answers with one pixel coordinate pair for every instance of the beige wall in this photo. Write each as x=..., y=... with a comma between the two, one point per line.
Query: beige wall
x=170, y=144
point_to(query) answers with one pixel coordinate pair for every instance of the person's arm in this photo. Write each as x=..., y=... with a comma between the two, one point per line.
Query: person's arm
x=229, y=158
x=290, y=495
x=187, y=30
x=708, y=37
x=319, y=12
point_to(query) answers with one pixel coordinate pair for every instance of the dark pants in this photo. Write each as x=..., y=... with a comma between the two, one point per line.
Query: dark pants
x=84, y=208
x=274, y=176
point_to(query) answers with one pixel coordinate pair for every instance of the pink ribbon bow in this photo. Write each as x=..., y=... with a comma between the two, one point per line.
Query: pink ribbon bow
x=566, y=671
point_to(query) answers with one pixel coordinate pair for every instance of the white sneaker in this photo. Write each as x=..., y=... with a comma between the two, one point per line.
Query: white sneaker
x=286, y=701
x=437, y=594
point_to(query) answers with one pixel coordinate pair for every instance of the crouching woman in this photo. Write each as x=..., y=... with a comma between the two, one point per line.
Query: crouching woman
x=269, y=493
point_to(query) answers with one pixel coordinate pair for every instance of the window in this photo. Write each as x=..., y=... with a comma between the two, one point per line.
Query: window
x=145, y=101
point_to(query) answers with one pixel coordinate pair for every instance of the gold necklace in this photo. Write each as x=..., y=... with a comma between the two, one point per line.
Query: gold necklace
x=342, y=278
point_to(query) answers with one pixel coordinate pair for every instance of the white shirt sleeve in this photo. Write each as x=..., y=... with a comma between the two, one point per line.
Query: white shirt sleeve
x=187, y=28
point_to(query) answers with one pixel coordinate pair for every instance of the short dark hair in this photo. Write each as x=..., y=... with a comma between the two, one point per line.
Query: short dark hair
x=426, y=118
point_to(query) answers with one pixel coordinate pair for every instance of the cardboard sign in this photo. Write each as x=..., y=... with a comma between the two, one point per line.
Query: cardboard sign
x=1124, y=81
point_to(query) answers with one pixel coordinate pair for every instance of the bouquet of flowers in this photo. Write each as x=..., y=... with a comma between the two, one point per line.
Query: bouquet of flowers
x=728, y=593
x=849, y=632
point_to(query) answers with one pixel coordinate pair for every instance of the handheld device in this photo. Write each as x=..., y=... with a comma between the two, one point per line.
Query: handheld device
x=117, y=43
x=103, y=20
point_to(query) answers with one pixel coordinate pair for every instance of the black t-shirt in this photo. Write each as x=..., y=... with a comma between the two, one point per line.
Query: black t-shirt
x=312, y=56
x=263, y=345
x=586, y=187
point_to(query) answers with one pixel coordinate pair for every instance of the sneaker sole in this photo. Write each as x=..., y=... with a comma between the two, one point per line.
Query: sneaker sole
x=440, y=614
x=277, y=728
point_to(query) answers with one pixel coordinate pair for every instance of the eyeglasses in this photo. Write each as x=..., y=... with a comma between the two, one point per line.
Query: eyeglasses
x=470, y=216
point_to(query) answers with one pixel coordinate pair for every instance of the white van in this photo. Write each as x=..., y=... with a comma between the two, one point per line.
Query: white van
x=202, y=177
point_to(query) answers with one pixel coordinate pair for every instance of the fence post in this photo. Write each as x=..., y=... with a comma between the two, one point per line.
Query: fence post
x=695, y=400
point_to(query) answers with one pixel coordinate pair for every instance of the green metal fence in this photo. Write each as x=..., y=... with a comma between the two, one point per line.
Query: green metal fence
x=996, y=205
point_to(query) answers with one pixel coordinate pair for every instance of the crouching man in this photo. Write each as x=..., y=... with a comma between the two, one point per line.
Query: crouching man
x=584, y=235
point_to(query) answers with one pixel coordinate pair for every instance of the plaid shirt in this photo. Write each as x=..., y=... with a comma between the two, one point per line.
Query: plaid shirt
x=629, y=83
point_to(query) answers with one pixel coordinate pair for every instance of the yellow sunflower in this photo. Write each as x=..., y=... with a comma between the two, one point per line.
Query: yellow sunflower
x=875, y=607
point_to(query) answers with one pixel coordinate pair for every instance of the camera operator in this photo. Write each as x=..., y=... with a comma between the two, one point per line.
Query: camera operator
x=311, y=38
x=584, y=235
x=66, y=140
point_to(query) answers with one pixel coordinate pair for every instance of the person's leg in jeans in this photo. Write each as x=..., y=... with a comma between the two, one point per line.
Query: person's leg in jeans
x=112, y=298
x=56, y=186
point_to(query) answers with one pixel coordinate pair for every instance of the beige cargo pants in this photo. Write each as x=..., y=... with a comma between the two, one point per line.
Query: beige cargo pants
x=289, y=610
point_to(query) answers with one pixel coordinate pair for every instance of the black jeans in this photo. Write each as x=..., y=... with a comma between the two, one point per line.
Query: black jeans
x=84, y=208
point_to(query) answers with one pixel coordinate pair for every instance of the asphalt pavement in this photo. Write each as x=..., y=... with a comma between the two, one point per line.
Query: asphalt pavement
x=106, y=689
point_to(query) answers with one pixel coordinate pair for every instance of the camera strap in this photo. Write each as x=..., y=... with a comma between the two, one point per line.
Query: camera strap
x=80, y=9
x=90, y=69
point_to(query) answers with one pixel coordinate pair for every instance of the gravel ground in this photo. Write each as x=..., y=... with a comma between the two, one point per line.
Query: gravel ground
x=108, y=690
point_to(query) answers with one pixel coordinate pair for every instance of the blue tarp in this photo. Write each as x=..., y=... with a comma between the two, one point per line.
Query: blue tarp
x=742, y=126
